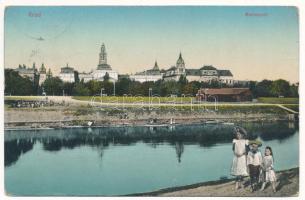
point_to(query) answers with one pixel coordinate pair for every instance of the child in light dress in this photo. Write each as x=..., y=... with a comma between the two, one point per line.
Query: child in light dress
x=268, y=171
x=239, y=164
x=254, y=162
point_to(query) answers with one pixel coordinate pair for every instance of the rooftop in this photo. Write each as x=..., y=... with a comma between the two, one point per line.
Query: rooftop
x=208, y=67
x=223, y=91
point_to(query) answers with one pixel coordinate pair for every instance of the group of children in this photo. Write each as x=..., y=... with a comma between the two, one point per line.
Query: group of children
x=248, y=161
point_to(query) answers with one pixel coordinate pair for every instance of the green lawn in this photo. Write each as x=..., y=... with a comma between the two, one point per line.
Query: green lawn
x=128, y=99
x=285, y=100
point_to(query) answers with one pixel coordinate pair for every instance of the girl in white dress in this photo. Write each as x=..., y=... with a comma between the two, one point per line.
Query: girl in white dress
x=239, y=164
x=268, y=170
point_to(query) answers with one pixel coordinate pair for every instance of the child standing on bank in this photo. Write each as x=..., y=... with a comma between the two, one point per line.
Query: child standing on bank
x=254, y=162
x=239, y=164
x=268, y=171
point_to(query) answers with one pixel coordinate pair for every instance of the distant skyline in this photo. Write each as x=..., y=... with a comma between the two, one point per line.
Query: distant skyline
x=255, y=43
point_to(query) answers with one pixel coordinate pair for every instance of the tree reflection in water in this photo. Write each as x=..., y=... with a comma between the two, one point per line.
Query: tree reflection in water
x=20, y=142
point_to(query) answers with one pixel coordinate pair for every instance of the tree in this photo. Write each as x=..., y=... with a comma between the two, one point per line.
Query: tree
x=68, y=88
x=182, y=80
x=16, y=84
x=294, y=90
x=94, y=87
x=252, y=87
x=106, y=77
x=191, y=88
x=122, y=86
x=80, y=90
x=53, y=86
x=280, y=87
x=215, y=84
x=76, y=77
x=263, y=88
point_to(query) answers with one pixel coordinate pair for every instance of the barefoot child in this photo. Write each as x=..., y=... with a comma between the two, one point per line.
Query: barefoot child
x=269, y=174
x=254, y=162
x=239, y=165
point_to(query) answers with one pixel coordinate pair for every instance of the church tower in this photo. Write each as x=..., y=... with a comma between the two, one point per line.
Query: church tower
x=180, y=62
x=156, y=67
x=103, y=55
x=102, y=64
x=180, y=65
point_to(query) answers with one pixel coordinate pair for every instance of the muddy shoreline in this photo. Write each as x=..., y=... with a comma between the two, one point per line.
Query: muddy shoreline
x=288, y=185
x=63, y=117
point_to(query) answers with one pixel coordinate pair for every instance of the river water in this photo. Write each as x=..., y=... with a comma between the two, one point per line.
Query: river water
x=126, y=160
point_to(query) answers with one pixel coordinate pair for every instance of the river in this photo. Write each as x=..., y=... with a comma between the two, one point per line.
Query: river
x=126, y=160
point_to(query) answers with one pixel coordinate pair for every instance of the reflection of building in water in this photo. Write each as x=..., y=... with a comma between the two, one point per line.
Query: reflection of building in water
x=171, y=128
x=18, y=143
x=179, y=150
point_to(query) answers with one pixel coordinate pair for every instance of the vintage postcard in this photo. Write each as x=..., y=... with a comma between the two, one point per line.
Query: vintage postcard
x=151, y=100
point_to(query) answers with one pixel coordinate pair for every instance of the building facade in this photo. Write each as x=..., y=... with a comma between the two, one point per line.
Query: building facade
x=85, y=77
x=67, y=74
x=174, y=72
x=27, y=72
x=206, y=73
x=225, y=94
x=151, y=75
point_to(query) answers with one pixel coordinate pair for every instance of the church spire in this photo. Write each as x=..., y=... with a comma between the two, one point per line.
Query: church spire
x=180, y=62
x=156, y=67
x=42, y=68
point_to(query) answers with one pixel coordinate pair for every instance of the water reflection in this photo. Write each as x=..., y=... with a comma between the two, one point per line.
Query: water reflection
x=20, y=142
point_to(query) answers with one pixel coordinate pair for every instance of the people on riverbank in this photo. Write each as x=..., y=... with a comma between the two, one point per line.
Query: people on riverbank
x=248, y=161
x=268, y=170
x=254, y=162
x=239, y=163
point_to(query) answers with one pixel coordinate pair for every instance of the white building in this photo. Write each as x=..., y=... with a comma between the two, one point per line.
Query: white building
x=206, y=73
x=86, y=77
x=225, y=76
x=103, y=68
x=67, y=74
x=175, y=72
x=153, y=75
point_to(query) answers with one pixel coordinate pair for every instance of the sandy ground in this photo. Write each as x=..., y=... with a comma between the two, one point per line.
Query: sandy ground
x=287, y=185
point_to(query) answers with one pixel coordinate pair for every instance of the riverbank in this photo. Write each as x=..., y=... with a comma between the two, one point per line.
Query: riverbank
x=287, y=186
x=67, y=112
x=60, y=117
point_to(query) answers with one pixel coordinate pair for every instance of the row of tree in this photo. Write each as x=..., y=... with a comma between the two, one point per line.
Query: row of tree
x=17, y=85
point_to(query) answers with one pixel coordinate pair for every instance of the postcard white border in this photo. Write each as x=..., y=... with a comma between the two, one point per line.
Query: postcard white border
x=297, y=3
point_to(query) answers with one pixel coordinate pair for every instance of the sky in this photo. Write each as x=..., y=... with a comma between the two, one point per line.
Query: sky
x=255, y=43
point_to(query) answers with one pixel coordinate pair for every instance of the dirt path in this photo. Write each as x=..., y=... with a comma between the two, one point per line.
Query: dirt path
x=288, y=185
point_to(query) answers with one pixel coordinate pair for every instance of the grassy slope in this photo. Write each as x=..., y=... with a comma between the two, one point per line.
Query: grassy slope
x=286, y=100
